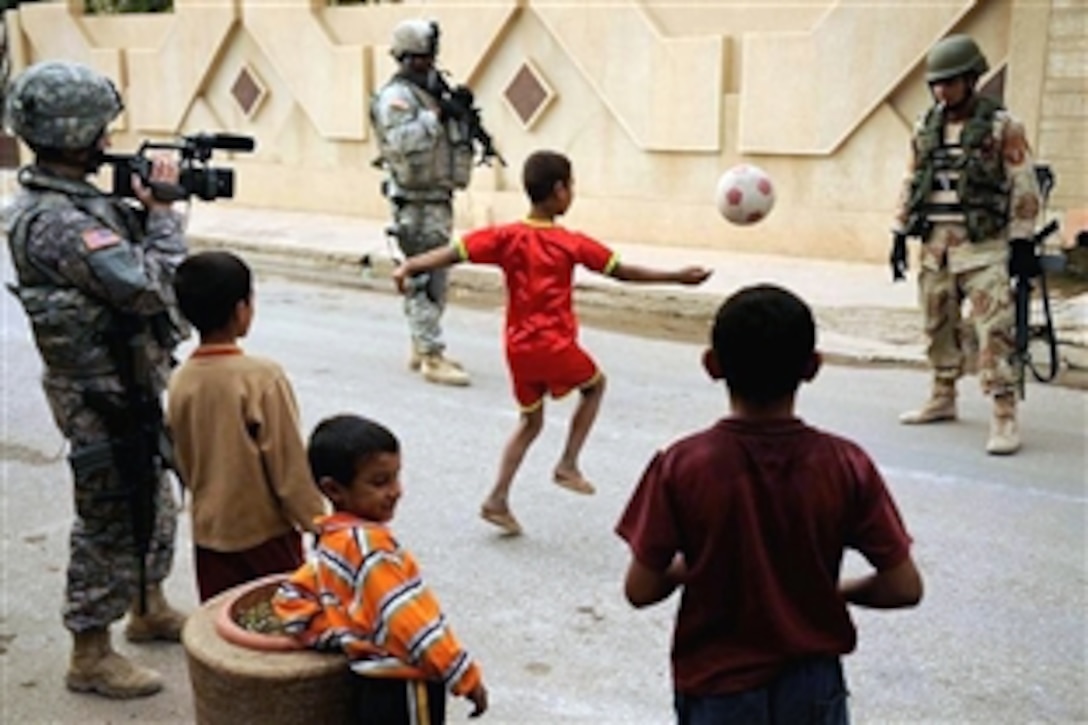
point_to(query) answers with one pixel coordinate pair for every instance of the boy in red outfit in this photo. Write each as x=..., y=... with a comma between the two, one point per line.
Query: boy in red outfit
x=538, y=259
x=751, y=518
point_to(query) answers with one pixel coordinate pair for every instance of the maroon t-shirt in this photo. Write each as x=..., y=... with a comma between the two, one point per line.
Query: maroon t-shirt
x=762, y=513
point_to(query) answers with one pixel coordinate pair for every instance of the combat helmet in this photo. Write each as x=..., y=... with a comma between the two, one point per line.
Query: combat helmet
x=954, y=56
x=414, y=37
x=61, y=105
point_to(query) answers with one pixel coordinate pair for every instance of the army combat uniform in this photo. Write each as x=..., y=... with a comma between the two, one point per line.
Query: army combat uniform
x=972, y=185
x=80, y=261
x=427, y=157
x=94, y=276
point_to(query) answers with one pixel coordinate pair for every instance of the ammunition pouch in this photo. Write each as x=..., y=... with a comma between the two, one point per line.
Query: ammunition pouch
x=90, y=460
x=461, y=153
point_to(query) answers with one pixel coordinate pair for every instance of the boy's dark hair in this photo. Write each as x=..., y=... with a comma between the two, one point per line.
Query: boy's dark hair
x=763, y=338
x=209, y=286
x=541, y=172
x=342, y=443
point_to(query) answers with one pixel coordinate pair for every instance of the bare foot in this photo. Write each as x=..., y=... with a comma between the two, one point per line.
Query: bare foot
x=573, y=481
x=502, y=518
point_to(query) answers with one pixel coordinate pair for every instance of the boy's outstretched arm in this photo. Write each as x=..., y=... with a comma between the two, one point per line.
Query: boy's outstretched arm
x=900, y=586
x=433, y=259
x=644, y=586
x=685, y=275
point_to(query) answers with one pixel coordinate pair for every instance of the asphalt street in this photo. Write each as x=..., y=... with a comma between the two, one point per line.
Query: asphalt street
x=1000, y=637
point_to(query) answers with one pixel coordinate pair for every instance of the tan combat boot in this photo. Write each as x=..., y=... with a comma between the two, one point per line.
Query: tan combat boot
x=159, y=622
x=95, y=667
x=940, y=406
x=437, y=369
x=415, y=359
x=1004, y=432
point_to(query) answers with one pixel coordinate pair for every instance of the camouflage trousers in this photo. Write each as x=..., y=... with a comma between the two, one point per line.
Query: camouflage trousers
x=992, y=317
x=422, y=226
x=103, y=573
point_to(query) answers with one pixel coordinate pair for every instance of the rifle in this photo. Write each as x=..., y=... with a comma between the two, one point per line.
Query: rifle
x=459, y=103
x=138, y=444
x=1025, y=331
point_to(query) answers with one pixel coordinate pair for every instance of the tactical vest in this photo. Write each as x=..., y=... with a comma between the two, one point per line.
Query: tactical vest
x=444, y=166
x=69, y=325
x=982, y=188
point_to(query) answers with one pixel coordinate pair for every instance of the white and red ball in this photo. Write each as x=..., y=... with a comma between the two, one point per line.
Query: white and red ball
x=745, y=194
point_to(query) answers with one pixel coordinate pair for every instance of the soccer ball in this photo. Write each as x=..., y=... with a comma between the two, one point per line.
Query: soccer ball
x=745, y=194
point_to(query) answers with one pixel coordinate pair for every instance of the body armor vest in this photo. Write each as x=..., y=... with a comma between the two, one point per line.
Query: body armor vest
x=69, y=325
x=443, y=166
x=975, y=165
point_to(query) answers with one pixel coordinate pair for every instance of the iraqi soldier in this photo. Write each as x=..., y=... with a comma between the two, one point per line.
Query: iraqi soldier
x=970, y=194
x=427, y=154
x=94, y=276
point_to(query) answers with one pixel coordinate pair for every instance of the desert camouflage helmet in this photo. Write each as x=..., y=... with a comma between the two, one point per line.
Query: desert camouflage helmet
x=954, y=56
x=414, y=37
x=61, y=105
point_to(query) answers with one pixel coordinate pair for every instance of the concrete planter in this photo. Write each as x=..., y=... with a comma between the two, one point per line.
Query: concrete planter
x=239, y=676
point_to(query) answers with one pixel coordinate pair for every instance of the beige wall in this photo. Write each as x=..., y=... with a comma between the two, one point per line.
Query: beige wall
x=652, y=100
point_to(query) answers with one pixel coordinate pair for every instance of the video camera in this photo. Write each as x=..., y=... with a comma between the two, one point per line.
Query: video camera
x=197, y=177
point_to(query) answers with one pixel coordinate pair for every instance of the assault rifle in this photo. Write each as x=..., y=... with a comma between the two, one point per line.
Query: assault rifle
x=1029, y=276
x=138, y=442
x=459, y=103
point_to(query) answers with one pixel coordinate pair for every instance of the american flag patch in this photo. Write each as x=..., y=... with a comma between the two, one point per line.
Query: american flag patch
x=99, y=238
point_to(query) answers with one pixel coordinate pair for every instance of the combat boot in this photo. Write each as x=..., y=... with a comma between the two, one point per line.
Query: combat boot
x=437, y=369
x=95, y=667
x=415, y=359
x=940, y=406
x=1004, y=431
x=159, y=622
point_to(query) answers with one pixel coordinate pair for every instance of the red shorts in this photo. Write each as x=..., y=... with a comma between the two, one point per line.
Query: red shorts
x=536, y=374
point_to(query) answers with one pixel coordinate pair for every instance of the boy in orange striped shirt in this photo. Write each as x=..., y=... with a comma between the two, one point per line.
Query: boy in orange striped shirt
x=361, y=593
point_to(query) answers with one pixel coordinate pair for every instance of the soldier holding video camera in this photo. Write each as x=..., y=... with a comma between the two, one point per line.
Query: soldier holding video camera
x=94, y=275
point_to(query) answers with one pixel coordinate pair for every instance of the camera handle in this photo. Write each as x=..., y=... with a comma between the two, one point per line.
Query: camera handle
x=139, y=165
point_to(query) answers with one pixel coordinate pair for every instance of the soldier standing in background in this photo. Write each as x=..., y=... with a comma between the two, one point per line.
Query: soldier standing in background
x=427, y=155
x=94, y=276
x=971, y=195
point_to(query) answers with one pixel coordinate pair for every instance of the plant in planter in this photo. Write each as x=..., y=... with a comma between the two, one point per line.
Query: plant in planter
x=243, y=668
x=247, y=619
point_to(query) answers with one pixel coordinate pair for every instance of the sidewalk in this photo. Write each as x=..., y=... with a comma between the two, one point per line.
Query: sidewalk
x=862, y=315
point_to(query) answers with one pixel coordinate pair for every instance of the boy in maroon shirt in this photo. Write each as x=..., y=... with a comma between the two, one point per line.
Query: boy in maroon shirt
x=538, y=258
x=751, y=518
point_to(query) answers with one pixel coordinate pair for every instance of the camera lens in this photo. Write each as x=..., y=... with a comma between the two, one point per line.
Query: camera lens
x=209, y=183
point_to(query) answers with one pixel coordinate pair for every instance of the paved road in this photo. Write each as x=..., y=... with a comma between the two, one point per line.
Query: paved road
x=999, y=638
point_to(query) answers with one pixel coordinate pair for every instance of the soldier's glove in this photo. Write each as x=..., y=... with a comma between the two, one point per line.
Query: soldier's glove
x=1023, y=262
x=898, y=258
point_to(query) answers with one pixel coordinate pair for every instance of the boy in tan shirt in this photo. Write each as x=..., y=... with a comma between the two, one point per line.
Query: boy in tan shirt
x=237, y=444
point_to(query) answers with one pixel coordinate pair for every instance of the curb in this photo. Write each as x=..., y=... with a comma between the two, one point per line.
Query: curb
x=678, y=315
x=681, y=315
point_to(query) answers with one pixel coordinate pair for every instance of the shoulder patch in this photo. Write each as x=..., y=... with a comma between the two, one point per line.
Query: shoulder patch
x=99, y=238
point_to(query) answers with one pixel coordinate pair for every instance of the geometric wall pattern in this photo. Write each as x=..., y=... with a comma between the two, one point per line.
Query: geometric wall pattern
x=528, y=94
x=654, y=97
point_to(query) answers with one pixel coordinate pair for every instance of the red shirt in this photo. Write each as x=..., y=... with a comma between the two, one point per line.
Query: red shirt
x=538, y=261
x=762, y=513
